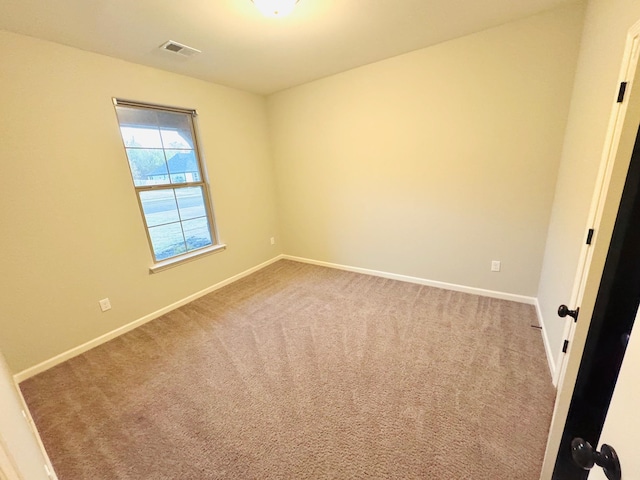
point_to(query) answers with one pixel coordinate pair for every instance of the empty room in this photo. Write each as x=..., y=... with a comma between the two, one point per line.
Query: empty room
x=254, y=239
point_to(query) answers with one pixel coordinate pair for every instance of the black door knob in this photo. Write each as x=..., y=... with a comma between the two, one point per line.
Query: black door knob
x=563, y=311
x=586, y=457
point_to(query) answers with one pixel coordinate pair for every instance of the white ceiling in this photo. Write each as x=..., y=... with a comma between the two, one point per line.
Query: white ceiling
x=243, y=49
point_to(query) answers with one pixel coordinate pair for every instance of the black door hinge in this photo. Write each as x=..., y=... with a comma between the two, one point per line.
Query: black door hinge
x=590, y=236
x=565, y=345
x=623, y=88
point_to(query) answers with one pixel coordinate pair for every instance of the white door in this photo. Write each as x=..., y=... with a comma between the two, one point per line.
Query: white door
x=623, y=128
x=623, y=419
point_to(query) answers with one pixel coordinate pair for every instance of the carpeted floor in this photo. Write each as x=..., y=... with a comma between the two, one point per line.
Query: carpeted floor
x=304, y=372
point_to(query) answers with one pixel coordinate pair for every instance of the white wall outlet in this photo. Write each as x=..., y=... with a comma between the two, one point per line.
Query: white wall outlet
x=105, y=304
x=495, y=265
x=273, y=240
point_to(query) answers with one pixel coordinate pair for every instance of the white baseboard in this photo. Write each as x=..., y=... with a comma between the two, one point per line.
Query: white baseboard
x=421, y=281
x=547, y=346
x=451, y=286
x=75, y=351
x=62, y=357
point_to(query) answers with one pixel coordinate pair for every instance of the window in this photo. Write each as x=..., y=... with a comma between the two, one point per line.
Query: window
x=166, y=167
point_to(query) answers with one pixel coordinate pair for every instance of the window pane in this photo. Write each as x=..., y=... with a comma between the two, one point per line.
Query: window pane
x=197, y=233
x=148, y=166
x=141, y=137
x=167, y=241
x=176, y=130
x=159, y=207
x=139, y=127
x=137, y=116
x=183, y=166
x=190, y=202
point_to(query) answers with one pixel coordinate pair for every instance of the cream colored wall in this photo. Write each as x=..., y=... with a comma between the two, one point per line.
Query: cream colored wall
x=72, y=229
x=595, y=91
x=430, y=164
x=433, y=163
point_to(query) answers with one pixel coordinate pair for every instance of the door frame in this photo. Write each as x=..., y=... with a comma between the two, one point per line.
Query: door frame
x=616, y=156
x=8, y=469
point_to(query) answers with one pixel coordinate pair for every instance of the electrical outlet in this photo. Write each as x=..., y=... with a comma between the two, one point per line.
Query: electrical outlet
x=273, y=240
x=495, y=265
x=105, y=304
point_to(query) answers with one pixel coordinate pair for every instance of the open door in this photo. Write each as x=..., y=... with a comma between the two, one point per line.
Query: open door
x=612, y=321
x=613, y=167
x=607, y=288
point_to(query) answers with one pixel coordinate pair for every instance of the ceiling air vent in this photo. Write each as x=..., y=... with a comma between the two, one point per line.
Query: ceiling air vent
x=180, y=49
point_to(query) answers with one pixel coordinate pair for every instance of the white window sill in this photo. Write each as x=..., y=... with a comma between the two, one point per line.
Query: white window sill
x=187, y=257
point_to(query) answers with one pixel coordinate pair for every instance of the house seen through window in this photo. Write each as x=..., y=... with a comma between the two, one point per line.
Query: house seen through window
x=162, y=151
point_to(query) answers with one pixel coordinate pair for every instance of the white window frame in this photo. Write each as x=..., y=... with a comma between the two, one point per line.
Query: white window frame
x=203, y=182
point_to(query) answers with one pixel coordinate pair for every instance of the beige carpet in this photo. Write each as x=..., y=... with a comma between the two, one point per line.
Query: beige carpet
x=303, y=372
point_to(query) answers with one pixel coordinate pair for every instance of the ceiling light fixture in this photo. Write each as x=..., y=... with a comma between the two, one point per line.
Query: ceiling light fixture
x=275, y=8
